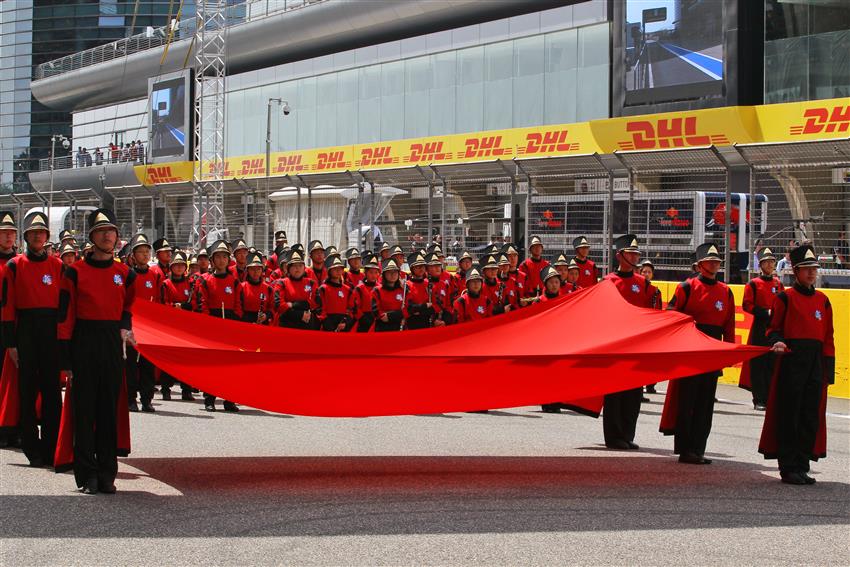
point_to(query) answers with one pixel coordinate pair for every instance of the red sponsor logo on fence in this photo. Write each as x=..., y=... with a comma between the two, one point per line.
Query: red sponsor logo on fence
x=547, y=142
x=823, y=120
x=672, y=218
x=668, y=133
x=485, y=146
x=331, y=160
x=290, y=164
x=161, y=174
x=253, y=166
x=380, y=155
x=427, y=152
x=222, y=170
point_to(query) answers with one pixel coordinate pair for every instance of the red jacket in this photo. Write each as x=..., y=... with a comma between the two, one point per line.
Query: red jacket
x=334, y=299
x=587, y=275
x=30, y=283
x=148, y=281
x=634, y=288
x=530, y=268
x=470, y=307
x=176, y=292
x=710, y=303
x=800, y=313
x=219, y=296
x=353, y=278
x=389, y=301
x=255, y=298
x=294, y=296
x=759, y=295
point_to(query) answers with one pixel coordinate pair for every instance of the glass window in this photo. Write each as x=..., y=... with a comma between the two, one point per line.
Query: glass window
x=528, y=85
x=498, y=85
x=441, y=111
x=561, y=62
x=326, y=119
x=392, y=100
x=469, y=113
x=417, y=85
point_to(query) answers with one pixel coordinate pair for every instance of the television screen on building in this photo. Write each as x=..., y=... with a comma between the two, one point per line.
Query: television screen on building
x=673, y=50
x=169, y=120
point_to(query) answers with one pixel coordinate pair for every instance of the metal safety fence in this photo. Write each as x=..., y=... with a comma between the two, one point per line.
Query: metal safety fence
x=741, y=198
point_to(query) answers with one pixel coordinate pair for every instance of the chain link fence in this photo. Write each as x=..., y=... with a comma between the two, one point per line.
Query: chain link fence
x=739, y=198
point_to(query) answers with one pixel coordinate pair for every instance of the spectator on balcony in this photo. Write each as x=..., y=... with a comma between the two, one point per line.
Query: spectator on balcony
x=134, y=151
x=86, y=158
x=125, y=153
x=141, y=147
x=114, y=152
x=81, y=161
x=98, y=157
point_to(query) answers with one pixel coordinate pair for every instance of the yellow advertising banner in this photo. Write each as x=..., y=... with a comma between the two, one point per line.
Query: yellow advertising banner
x=825, y=119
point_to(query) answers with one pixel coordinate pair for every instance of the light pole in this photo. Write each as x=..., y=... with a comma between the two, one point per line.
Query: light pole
x=286, y=110
x=66, y=143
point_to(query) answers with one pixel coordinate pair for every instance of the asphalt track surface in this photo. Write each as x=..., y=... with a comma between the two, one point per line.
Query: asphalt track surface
x=668, y=69
x=514, y=487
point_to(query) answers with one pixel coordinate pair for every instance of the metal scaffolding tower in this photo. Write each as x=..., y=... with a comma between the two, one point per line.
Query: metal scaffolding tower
x=210, y=43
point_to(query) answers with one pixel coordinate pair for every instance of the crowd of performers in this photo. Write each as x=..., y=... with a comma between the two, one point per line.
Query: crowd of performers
x=68, y=313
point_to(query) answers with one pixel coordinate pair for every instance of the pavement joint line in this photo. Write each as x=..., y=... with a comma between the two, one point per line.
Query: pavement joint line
x=735, y=403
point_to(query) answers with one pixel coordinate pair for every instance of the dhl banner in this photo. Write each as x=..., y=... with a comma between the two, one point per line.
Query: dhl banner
x=805, y=121
x=840, y=301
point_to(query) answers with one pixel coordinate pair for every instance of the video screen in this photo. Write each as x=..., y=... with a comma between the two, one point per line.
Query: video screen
x=168, y=121
x=674, y=49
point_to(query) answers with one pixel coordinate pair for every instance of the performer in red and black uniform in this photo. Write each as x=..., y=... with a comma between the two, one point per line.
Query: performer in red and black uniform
x=68, y=254
x=273, y=261
x=440, y=290
x=619, y=418
x=295, y=295
x=148, y=281
x=397, y=254
x=354, y=275
x=588, y=275
x=218, y=297
x=532, y=267
x=317, y=270
x=256, y=297
x=801, y=330
x=163, y=251
x=176, y=291
x=420, y=304
x=512, y=254
x=647, y=270
x=690, y=401
x=458, y=282
x=240, y=258
x=30, y=300
x=334, y=299
x=759, y=295
x=493, y=288
x=8, y=238
x=389, y=301
x=473, y=305
x=94, y=320
x=510, y=291
x=362, y=295
x=570, y=284
x=551, y=284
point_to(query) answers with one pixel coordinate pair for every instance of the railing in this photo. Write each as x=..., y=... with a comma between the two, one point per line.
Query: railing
x=157, y=37
x=90, y=159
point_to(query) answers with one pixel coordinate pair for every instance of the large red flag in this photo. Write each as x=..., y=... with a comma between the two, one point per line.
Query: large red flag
x=535, y=355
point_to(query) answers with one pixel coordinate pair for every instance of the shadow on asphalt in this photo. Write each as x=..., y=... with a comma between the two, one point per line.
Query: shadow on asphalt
x=295, y=496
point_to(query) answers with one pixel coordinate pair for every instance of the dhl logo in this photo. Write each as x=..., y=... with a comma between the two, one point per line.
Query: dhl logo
x=290, y=164
x=381, y=155
x=668, y=133
x=821, y=120
x=548, y=142
x=253, y=166
x=427, y=152
x=486, y=146
x=161, y=174
x=222, y=170
x=331, y=160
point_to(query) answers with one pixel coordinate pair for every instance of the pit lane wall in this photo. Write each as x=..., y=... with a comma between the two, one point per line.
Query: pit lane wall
x=789, y=122
x=840, y=300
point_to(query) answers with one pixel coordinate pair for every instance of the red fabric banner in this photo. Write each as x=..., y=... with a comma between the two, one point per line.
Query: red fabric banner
x=582, y=345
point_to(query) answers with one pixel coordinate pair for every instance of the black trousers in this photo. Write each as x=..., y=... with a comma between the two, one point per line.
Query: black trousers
x=365, y=323
x=696, y=410
x=333, y=320
x=421, y=321
x=761, y=368
x=140, y=377
x=38, y=372
x=98, y=370
x=166, y=381
x=619, y=418
x=798, y=393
